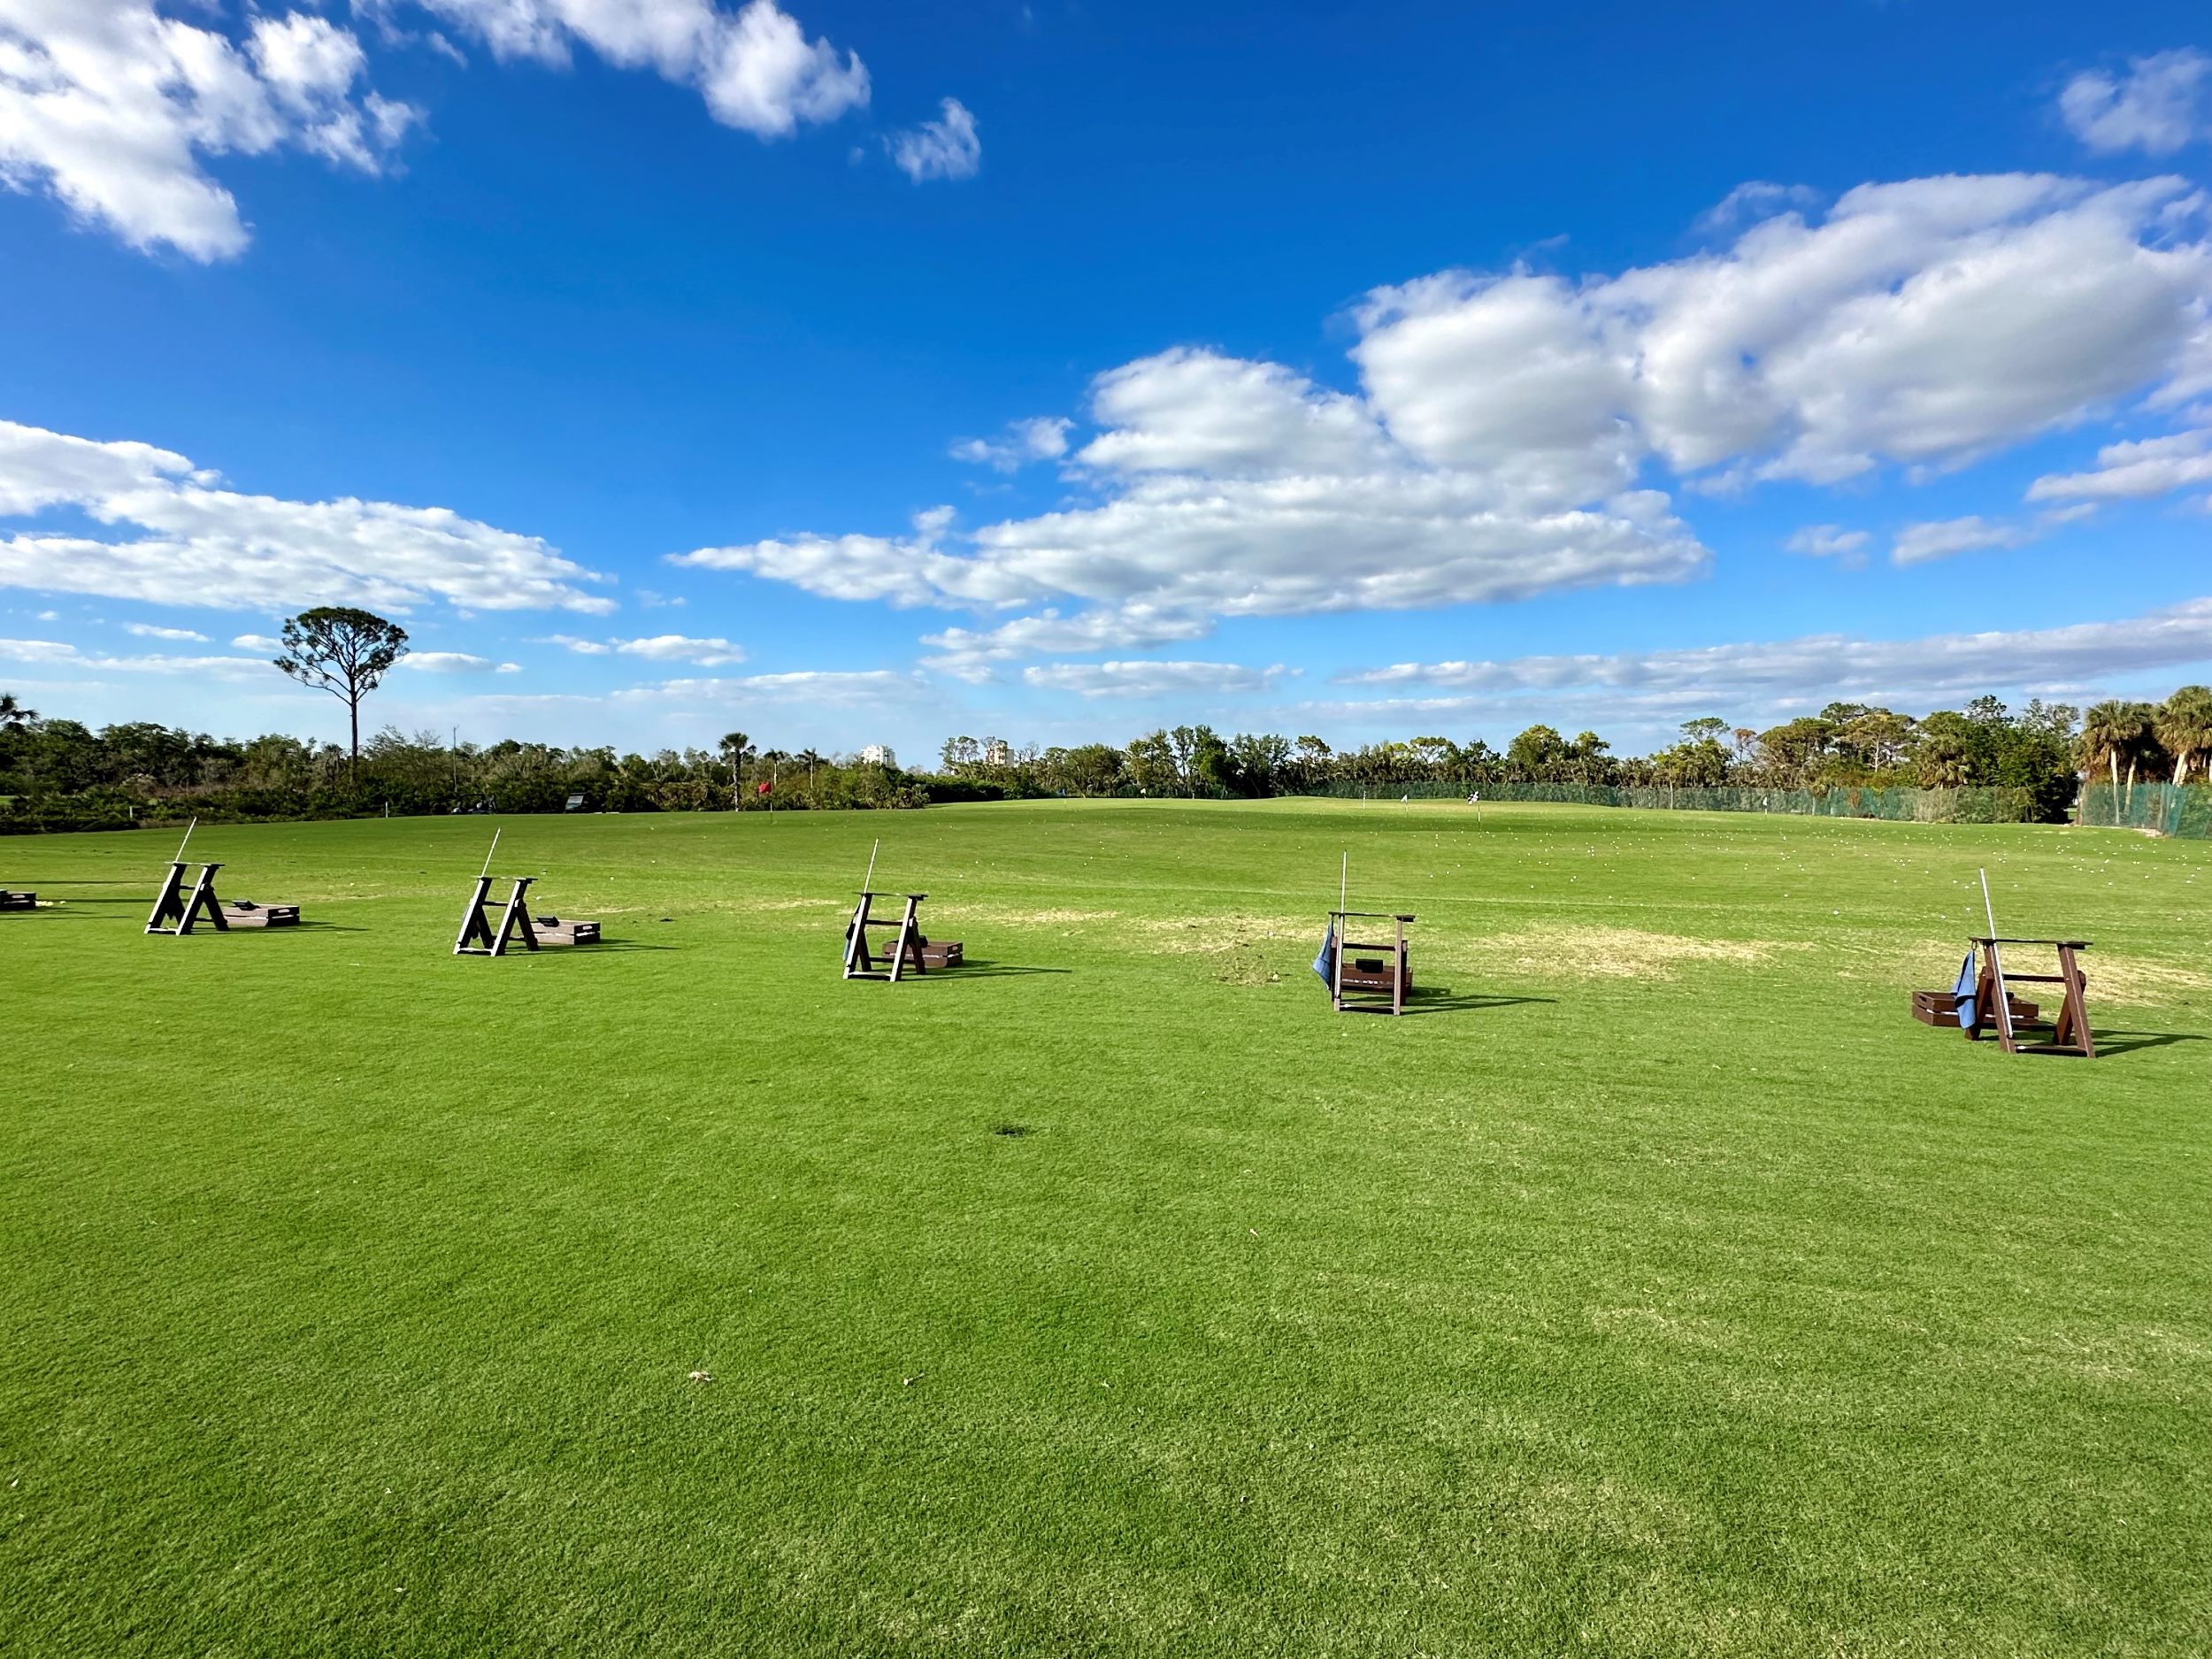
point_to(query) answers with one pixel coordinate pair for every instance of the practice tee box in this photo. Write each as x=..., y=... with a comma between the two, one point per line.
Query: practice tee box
x=2069, y=1031
x=908, y=947
x=246, y=913
x=490, y=925
x=179, y=907
x=1941, y=1009
x=1370, y=978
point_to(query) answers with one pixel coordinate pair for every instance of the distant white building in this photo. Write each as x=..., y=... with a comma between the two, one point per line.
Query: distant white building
x=878, y=755
x=997, y=752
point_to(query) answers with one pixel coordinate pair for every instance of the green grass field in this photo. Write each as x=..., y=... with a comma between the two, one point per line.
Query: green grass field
x=1660, y=1288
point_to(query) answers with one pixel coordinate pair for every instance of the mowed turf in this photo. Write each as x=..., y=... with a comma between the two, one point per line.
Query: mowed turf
x=1659, y=1288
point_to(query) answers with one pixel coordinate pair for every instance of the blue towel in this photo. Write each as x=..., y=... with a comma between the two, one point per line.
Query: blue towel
x=1964, y=991
x=1325, y=964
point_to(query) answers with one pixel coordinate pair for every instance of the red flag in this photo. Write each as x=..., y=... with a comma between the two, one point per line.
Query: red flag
x=760, y=789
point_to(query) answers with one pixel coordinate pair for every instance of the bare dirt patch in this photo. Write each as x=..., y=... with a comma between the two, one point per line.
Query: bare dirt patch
x=1622, y=953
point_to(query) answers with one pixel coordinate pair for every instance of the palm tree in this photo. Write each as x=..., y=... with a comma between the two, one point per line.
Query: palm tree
x=13, y=713
x=2184, y=726
x=2107, y=732
x=2142, y=742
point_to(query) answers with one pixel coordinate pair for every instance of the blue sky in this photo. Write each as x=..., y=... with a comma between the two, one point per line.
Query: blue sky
x=851, y=373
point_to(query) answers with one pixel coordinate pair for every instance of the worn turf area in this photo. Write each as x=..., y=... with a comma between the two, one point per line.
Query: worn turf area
x=1658, y=1288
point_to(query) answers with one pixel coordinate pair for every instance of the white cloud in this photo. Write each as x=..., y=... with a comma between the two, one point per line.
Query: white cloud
x=1236, y=488
x=448, y=663
x=947, y=147
x=114, y=109
x=1941, y=539
x=148, y=631
x=1044, y=438
x=661, y=648
x=257, y=642
x=2125, y=472
x=2154, y=106
x=1830, y=541
x=1826, y=666
x=811, y=687
x=111, y=109
x=971, y=653
x=208, y=546
x=755, y=67
x=1926, y=322
x=1506, y=430
x=1143, y=680
x=1196, y=412
x=54, y=652
x=1757, y=198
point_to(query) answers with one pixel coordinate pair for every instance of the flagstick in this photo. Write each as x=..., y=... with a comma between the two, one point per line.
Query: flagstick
x=1996, y=965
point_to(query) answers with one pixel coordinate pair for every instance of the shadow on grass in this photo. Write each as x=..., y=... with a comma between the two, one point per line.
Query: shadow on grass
x=1441, y=999
x=2128, y=1042
x=974, y=968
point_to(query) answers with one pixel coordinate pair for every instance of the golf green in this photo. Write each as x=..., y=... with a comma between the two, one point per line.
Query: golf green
x=1656, y=1287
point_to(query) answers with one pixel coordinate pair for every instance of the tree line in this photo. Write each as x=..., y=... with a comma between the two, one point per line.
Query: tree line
x=2044, y=748
x=57, y=773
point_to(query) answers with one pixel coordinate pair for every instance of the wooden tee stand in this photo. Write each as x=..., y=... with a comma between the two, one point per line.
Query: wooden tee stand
x=479, y=937
x=1994, y=1005
x=906, y=946
x=1378, y=987
x=175, y=912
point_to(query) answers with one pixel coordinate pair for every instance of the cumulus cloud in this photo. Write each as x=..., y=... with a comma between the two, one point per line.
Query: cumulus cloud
x=947, y=147
x=111, y=109
x=2134, y=471
x=1830, y=541
x=1826, y=666
x=971, y=653
x=1237, y=488
x=2156, y=105
x=755, y=67
x=205, y=545
x=1044, y=438
x=1507, y=429
x=114, y=109
x=148, y=631
x=661, y=648
x=257, y=642
x=1143, y=680
x=1928, y=323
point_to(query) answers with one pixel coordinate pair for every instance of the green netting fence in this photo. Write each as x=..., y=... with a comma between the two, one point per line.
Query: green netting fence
x=2165, y=809
x=1900, y=805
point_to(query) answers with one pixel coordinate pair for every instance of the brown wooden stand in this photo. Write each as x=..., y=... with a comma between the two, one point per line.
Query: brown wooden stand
x=1994, y=1003
x=479, y=937
x=175, y=913
x=906, y=946
x=1378, y=985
